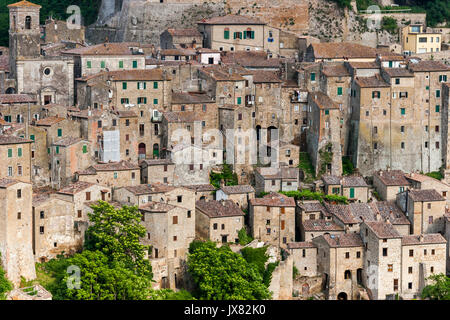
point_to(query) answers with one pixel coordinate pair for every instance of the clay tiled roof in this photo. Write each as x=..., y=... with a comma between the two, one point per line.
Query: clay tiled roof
x=110, y=48
x=339, y=50
x=232, y=19
x=383, y=230
x=217, y=209
x=329, y=179
x=363, y=211
x=24, y=3
x=322, y=100
x=428, y=66
x=273, y=200
x=67, y=141
x=388, y=209
x=7, y=139
x=190, y=97
x=49, y=121
x=178, y=52
x=110, y=166
x=300, y=245
x=312, y=206
x=399, y=72
x=425, y=195
x=430, y=238
x=75, y=187
x=243, y=188
x=190, y=32
x=284, y=173
x=342, y=212
x=4, y=183
x=220, y=73
x=392, y=178
x=335, y=71
x=266, y=77
x=354, y=181
x=156, y=162
x=321, y=225
x=364, y=65
x=201, y=187
x=372, y=82
x=156, y=207
x=16, y=98
x=250, y=59
x=345, y=240
x=149, y=188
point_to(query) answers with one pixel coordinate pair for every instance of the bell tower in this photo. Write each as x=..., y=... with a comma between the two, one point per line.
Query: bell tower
x=24, y=32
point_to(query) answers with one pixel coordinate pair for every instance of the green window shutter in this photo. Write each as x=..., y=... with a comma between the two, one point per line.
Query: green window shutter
x=138, y=85
x=124, y=85
x=438, y=93
x=85, y=149
x=437, y=108
x=245, y=35
x=226, y=34
x=313, y=76
x=234, y=35
x=115, y=175
x=19, y=152
x=352, y=193
x=145, y=100
x=155, y=85
x=59, y=132
x=445, y=78
x=102, y=64
x=89, y=64
x=48, y=150
x=390, y=64
x=339, y=91
x=32, y=137
x=135, y=64
x=155, y=101
x=57, y=149
x=402, y=110
x=121, y=64
x=327, y=111
x=252, y=34
x=9, y=153
x=145, y=85
x=239, y=100
x=427, y=87
x=440, y=78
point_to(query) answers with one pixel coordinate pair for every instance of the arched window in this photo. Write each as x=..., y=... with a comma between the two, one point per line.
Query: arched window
x=28, y=22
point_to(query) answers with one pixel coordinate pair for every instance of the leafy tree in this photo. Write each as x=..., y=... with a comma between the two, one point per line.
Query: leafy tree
x=439, y=290
x=117, y=233
x=100, y=279
x=244, y=238
x=167, y=294
x=221, y=274
x=389, y=24
x=227, y=175
x=5, y=284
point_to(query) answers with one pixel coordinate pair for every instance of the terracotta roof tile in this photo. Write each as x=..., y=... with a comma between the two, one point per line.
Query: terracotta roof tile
x=190, y=98
x=156, y=207
x=250, y=59
x=425, y=195
x=428, y=66
x=49, y=121
x=17, y=98
x=201, y=187
x=237, y=189
x=342, y=212
x=322, y=100
x=24, y=3
x=429, y=238
x=345, y=240
x=4, y=182
x=300, y=245
x=321, y=225
x=273, y=200
x=335, y=71
x=337, y=50
x=189, y=32
x=383, y=230
x=399, y=72
x=182, y=116
x=7, y=139
x=392, y=178
x=232, y=19
x=75, y=187
x=67, y=141
x=389, y=209
x=149, y=188
x=110, y=48
x=260, y=76
x=156, y=162
x=217, y=209
x=372, y=82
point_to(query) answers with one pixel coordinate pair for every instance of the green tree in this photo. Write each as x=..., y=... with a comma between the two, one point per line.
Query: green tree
x=5, y=284
x=117, y=233
x=221, y=274
x=244, y=238
x=167, y=294
x=439, y=290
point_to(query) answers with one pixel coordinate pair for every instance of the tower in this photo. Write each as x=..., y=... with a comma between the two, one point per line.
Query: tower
x=24, y=32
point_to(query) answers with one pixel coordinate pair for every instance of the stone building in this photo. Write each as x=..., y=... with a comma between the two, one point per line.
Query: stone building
x=170, y=230
x=353, y=188
x=240, y=194
x=339, y=51
x=305, y=257
x=16, y=230
x=157, y=171
x=270, y=179
x=272, y=219
x=16, y=152
x=424, y=182
x=340, y=259
x=111, y=174
x=425, y=210
x=389, y=183
x=417, y=38
x=54, y=31
x=311, y=229
x=50, y=78
x=181, y=38
x=323, y=136
x=234, y=32
x=218, y=221
x=202, y=191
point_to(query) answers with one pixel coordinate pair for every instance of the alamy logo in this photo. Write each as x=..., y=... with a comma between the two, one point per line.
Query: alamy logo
x=74, y=278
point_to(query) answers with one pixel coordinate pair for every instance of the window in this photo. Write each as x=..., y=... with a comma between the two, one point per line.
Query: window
x=411, y=253
x=189, y=213
x=142, y=100
x=135, y=64
x=375, y=146
x=42, y=215
x=124, y=85
x=432, y=252
x=41, y=230
x=10, y=171
x=155, y=85
x=409, y=285
x=385, y=252
x=339, y=91
x=402, y=145
x=115, y=175
x=80, y=214
x=84, y=148
x=133, y=175
x=175, y=220
x=57, y=149
x=10, y=153
x=155, y=101
x=239, y=100
x=19, y=170
x=437, y=108
x=327, y=111
x=19, y=193
x=127, y=122
x=438, y=93
x=88, y=196
x=347, y=255
x=429, y=205
x=215, y=226
x=430, y=220
x=102, y=64
x=282, y=224
x=313, y=76
x=437, y=144
x=121, y=64
x=179, y=198
x=402, y=111
x=436, y=129
x=376, y=94
x=122, y=101
x=174, y=238
x=89, y=64
x=390, y=267
x=402, y=129
x=226, y=33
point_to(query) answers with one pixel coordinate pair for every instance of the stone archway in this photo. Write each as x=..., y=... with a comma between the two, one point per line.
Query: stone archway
x=10, y=90
x=305, y=289
x=342, y=296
